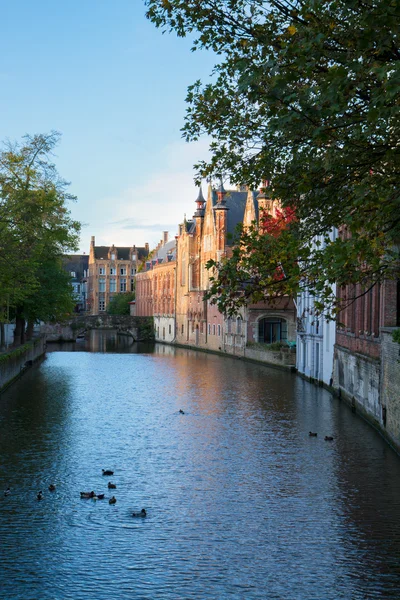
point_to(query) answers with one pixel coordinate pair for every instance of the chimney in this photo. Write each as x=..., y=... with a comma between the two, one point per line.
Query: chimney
x=92, y=240
x=165, y=237
x=146, y=246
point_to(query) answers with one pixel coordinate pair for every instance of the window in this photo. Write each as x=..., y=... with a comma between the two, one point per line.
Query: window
x=169, y=328
x=219, y=329
x=113, y=285
x=213, y=329
x=78, y=288
x=122, y=284
x=133, y=271
x=112, y=256
x=132, y=285
x=239, y=325
x=183, y=328
x=102, y=284
x=122, y=271
x=134, y=257
x=272, y=330
x=229, y=324
x=73, y=274
x=113, y=271
x=209, y=329
x=102, y=305
x=102, y=270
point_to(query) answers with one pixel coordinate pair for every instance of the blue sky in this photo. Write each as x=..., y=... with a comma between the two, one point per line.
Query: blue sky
x=115, y=87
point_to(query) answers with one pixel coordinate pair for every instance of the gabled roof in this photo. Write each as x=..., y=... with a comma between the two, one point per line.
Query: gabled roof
x=77, y=263
x=123, y=252
x=168, y=248
x=236, y=202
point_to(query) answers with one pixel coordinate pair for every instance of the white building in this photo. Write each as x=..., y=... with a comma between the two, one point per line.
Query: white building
x=315, y=338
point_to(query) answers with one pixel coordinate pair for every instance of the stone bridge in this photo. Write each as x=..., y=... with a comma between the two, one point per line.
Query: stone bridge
x=139, y=328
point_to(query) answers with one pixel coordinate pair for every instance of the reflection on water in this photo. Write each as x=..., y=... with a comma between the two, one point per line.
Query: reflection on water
x=241, y=502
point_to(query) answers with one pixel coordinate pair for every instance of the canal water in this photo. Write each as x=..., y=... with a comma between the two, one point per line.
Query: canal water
x=241, y=503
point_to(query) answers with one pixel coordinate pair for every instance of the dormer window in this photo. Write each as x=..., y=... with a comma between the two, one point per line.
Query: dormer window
x=133, y=257
x=112, y=256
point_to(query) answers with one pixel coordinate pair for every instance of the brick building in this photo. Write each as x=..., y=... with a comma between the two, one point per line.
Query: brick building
x=208, y=236
x=366, y=363
x=155, y=289
x=112, y=271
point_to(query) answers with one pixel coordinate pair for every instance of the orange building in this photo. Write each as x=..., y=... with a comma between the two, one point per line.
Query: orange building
x=112, y=271
x=155, y=290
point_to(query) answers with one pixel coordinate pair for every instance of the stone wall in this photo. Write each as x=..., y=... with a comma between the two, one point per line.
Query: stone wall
x=357, y=377
x=282, y=358
x=390, y=386
x=15, y=362
x=141, y=328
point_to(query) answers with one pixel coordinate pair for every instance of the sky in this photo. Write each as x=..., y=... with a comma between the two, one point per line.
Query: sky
x=114, y=86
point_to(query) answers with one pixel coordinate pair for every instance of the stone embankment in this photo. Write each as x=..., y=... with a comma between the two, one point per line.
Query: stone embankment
x=16, y=361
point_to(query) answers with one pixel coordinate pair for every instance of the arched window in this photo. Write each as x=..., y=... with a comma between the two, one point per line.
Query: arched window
x=272, y=330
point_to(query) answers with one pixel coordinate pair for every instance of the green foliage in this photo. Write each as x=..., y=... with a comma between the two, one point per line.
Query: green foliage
x=308, y=94
x=119, y=305
x=145, y=327
x=396, y=335
x=15, y=353
x=35, y=230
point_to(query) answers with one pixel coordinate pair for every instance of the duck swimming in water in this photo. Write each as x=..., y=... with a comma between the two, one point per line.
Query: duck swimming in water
x=40, y=496
x=328, y=438
x=107, y=472
x=181, y=411
x=7, y=492
x=111, y=486
x=112, y=500
x=52, y=488
x=87, y=494
x=98, y=497
x=311, y=434
x=142, y=513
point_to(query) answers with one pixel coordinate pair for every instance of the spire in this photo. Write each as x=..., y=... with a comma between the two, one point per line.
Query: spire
x=264, y=191
x=200, y=204
x=221, y=204
x=221, y=192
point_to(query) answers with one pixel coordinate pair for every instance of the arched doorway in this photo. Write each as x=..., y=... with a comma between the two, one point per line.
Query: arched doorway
x=272, y=329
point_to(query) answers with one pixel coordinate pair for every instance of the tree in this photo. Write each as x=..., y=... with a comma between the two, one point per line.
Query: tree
x=119, y=305
x=308, y=93
x=35, y=229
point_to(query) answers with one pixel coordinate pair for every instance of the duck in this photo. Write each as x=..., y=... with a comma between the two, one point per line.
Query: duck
x=142, y=513
x=107, y=472
x=52, y=487
x=328, y=438
x=181, y=411
x=7, y=492
x=40, y=496
x=99, y=497
x=312, y=434
x=111, y=486
x=112, y=500
x=87, y=494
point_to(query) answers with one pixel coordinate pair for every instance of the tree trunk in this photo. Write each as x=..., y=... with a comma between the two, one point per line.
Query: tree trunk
x=2, y=336
x=29, y=330
x=19, y=331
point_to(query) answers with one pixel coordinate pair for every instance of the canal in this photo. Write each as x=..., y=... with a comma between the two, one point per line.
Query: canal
x=241, y=502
